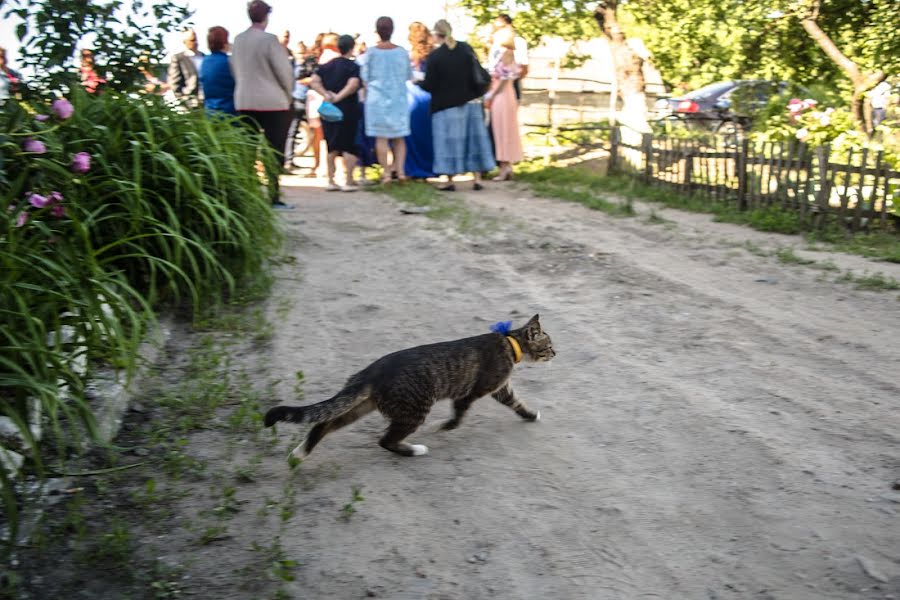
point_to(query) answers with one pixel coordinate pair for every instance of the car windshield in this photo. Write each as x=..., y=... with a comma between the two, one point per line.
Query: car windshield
x=709, y=91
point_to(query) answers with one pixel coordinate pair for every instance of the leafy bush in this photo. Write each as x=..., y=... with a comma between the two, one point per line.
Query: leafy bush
x=119, y=33
x=113, y=205
x=820, y=126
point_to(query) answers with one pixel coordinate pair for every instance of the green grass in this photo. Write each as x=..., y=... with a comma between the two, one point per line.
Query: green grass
x=440, y=206
x=877, y=282
x=171, y=215
x=613, y=194
x=349, y=509
x=789, y=257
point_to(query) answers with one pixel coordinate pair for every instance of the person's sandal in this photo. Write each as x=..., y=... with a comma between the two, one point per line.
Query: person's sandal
x=450, y=187
x=477, y=186
x=332, y=187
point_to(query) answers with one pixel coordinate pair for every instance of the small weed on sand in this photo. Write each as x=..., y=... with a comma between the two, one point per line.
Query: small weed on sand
x=349, y=509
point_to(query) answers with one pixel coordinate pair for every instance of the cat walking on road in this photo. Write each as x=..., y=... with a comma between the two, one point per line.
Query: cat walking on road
x=403, y=386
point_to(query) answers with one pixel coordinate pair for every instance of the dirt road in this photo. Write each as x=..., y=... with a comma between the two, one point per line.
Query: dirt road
x=716, y=424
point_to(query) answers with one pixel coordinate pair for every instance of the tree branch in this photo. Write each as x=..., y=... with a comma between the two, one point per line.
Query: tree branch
x=825, y=43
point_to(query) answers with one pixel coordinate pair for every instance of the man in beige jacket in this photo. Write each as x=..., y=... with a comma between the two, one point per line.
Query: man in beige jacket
x=263, y=85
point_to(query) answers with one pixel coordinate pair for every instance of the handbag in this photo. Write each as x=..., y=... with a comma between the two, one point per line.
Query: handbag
x=481, y=79
x=331, y=113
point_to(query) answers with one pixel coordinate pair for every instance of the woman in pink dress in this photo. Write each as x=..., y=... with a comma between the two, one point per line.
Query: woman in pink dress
x=504, y=108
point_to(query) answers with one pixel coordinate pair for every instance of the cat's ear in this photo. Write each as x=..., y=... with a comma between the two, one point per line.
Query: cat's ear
x=532, y=328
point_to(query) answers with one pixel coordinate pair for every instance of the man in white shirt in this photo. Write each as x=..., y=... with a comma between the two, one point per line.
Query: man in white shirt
x=879, y=97
x=504, y=21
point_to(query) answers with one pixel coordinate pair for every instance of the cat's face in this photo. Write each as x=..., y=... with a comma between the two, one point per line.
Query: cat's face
x=538, y=347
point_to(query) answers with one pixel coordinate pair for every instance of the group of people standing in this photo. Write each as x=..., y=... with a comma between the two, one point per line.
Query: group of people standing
x=425, y=109
x=418, y=113
x=433, y=110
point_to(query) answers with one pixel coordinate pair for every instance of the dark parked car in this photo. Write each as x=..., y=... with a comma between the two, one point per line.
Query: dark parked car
x=726, y=107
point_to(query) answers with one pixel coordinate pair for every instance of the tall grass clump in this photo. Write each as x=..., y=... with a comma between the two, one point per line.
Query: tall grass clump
x=111, y=207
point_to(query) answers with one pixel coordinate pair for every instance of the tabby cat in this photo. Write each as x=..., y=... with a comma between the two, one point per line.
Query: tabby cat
x=404, y=386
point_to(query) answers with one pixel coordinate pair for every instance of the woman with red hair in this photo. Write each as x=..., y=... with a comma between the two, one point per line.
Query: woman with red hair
x=215, y=74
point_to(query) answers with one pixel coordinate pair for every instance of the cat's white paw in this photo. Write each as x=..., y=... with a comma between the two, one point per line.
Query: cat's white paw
x=419, y=449
x=300, y=452
x=538, y=417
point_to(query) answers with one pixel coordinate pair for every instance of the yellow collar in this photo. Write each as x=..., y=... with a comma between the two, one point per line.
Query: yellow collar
x=517, y=350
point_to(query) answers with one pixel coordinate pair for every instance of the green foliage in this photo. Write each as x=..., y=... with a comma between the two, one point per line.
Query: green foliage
x=119, y=33
x=606, y=193
x=349, y=509
x=155, y=219
x=571, y=20
x=834, y=127
x=717, y=40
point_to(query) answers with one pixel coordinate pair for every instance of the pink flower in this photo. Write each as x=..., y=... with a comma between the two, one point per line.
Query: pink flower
x=63, y=108
x=23, y=218
x=34, y=146
x=58, y=211
x=41, y=118
x=81, y=162
x=38, y=201
x=56, y=198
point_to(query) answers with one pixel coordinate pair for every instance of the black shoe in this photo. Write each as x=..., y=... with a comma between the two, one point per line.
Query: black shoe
x=477, y=186
x=279, y=205
x=450, y=187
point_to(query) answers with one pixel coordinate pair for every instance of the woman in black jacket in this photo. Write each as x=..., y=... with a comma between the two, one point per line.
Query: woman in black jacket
x=461, y=143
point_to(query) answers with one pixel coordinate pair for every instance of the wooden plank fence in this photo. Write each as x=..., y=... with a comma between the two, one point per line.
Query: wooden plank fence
x=861, y=191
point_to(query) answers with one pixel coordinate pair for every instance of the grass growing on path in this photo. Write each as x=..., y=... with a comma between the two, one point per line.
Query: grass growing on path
x=604, y=193
x=181, y=474
x=440, y=206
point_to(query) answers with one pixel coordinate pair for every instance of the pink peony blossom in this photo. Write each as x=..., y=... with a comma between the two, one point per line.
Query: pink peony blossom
x=58, y=211
x=38, y=201
x=63, y=108
x=34, y=146
x=23, y=218
x=41, y=118
x=81, y=162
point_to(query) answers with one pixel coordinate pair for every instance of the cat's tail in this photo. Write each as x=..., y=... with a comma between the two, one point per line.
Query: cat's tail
x=335, y=406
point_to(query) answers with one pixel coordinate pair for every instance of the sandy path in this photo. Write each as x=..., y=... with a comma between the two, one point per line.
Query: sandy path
x=716, y=424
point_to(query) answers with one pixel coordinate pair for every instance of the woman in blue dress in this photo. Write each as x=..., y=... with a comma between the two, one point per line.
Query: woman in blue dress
x=385, y=71
x=419, y=146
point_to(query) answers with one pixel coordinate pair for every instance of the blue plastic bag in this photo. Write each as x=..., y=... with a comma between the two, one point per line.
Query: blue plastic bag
x=330, y=112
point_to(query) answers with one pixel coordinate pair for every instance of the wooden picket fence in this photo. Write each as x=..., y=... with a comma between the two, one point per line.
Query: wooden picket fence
x=861, y=192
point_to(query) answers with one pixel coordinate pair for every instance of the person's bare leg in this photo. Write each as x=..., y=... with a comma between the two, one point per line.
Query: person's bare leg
x=332, y=156
x=349, y=168
x=399, y=146
x=381, y=152
x=318, y=137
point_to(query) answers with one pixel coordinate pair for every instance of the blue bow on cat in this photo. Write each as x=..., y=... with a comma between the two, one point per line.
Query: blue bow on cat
x=501, y=327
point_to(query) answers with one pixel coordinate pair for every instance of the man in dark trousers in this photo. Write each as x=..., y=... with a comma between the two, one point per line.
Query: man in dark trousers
x=184, y=72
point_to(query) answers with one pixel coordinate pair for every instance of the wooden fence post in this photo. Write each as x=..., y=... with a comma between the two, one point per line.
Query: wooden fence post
x=647, y=143
x=824, y=194
x=741, y=160
x=613, y=150
x=688, y=166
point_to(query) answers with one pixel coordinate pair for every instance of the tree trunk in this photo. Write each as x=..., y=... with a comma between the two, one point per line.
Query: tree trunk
x=629, y=79
x=862, y=82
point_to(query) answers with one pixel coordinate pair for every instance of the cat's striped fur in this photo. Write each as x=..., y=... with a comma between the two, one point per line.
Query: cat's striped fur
x=403, y=386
